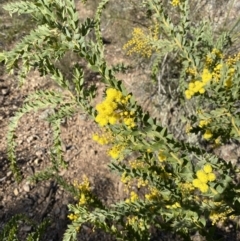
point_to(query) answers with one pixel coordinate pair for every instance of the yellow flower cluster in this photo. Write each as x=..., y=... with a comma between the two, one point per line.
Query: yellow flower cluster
x=84, y=186
x=174, y=206
x=217, y=72
x=213, y=57
x=207, y=135
x=218, y=53
x=191, y=71
x=125, y=178
x=114, y=109
x=214, y=63
x=132, y=220
x=83, y=199
x=198, y=86
x=204, y=176
x=233, y=60
x=209, y=61
x=84, y=196
x=186, y=187
x=142, y=183
x=137, y=164
x=116, y=150
x=161, y=157
x=135, y=221
x=72, y=217
x=228, y=82
x=133, y=197
x=84, y=189
x=153, y=195
x=175, y=3
x=203, y=123
x=193, y=88
x=220, y=216
x=217, y=141
x=140, y=43
x=103, y=139
x=155, y=31
x=206, y=75
x=128, y=182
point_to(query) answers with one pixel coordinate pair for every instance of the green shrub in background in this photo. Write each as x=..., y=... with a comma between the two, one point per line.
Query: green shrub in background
x=11, y=229
x=184, y=189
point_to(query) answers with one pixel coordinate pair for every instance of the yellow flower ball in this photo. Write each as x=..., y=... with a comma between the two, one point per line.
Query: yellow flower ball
x=202, y=91
x=202, y=123
x=133, y=197
x=207, y=135
x=106, y=108
x=202, y=176
x=191, y=85
x=175, y=3
x=196, y=183
x=207, y=168
x=211, y=177
x=112, y=119
x=113, y=94
x=114, y=153
x=206, y=76
x=218, y=141
x=101, y=120
x=198, y=86
x=204, y=188
x=188, y=94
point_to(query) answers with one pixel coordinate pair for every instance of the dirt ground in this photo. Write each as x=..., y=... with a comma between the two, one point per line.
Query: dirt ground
x=84, y=156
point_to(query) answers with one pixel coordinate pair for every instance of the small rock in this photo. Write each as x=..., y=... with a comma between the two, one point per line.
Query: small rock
x=26, y=187
x=26, y=228
x=59, y=193
x=9, y=173
x=37, y=161
x=2, y=179
x=30, y=139
x=64, y=147
x=4, y=91
x=39, y=153
x=30, y=170
x=20, y=142
x=15, y=191
x=33, y=138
